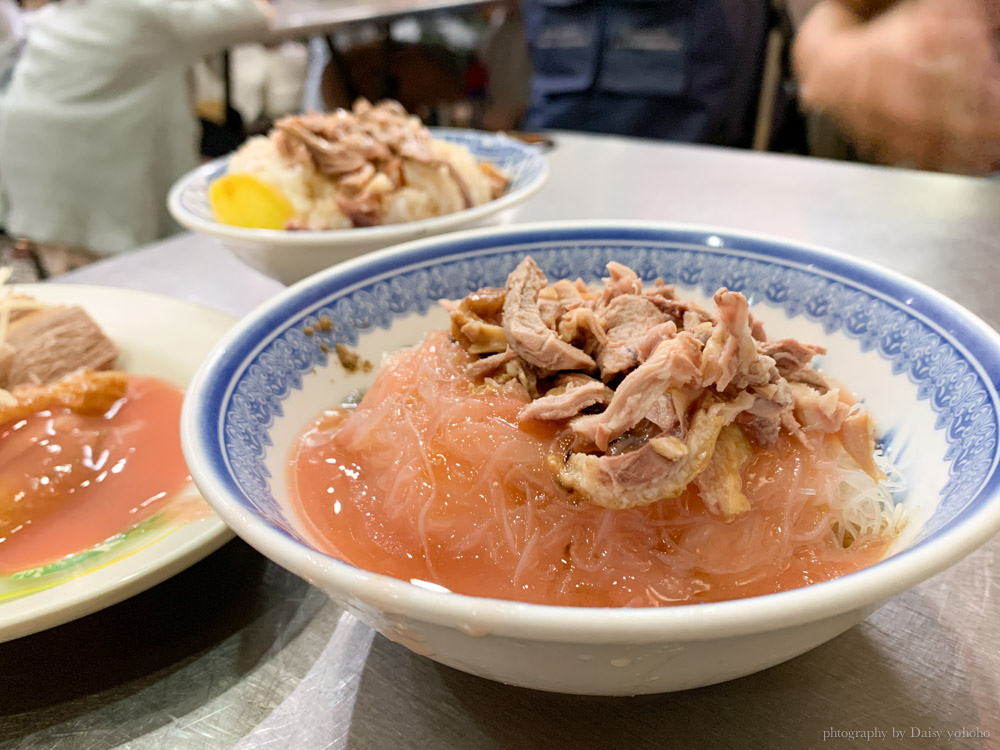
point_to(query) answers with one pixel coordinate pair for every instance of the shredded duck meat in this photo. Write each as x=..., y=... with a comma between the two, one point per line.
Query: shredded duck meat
x=366, y=147
x=654, y=392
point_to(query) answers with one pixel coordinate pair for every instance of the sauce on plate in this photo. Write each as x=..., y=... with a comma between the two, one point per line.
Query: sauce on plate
x=68, y=482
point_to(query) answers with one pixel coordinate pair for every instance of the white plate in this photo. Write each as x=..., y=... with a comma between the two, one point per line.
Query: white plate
x=158, y=336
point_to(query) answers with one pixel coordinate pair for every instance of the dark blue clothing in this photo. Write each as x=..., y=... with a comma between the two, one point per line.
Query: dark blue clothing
x=685, y=70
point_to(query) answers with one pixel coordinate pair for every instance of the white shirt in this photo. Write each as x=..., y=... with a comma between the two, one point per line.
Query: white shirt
x=12, y=33
x=96, y=124
x=11, y=24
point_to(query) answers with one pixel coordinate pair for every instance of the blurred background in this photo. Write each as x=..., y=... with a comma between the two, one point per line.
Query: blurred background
x=104, y=103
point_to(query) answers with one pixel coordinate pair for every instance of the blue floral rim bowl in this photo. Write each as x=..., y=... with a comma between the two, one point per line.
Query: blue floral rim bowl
x=292, y=255
x=926, y=368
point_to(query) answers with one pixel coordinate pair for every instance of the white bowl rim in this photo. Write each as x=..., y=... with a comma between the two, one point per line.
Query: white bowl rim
x=363, y=236
x=481, y=615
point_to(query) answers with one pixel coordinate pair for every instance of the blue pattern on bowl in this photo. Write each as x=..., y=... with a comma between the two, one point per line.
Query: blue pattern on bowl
x=523, y=163
x=926, y=338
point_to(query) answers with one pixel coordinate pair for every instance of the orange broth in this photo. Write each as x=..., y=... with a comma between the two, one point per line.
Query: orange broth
x=82, y=479
x=431, y=478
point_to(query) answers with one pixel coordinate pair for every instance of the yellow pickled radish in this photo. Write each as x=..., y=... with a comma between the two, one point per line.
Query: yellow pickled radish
x=242, y=200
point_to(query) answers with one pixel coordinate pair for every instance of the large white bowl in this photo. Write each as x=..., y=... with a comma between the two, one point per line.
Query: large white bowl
x=292, y=255
x=926, y=368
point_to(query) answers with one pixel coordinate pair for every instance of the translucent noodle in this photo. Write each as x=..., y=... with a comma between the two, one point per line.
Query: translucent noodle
x=431, y=478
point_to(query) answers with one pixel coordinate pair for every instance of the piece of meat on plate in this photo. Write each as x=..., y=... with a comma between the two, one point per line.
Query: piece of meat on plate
x=86, y=392
x=52, y=342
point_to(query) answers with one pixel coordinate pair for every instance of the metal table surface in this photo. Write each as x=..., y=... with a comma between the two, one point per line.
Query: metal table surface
x=235, y=652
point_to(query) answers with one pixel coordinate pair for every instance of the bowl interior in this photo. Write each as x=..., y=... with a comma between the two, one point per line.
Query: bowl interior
x=524, y=164
x=925, y=368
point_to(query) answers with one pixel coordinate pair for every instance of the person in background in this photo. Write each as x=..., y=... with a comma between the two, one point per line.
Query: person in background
x=504, y=53
x=915, y=83
x=12, y=33
x=685, y=71
x=97, y=122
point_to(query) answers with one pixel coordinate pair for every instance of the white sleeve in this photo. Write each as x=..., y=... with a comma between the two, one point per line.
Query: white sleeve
x=11, y=25
x=203, y=27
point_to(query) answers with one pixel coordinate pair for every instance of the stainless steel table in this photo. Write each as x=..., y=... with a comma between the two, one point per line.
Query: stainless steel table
x=235, y=652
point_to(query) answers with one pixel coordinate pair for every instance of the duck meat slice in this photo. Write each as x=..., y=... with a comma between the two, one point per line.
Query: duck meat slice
x=571, y=394
x=526, y=334
x=790, y=355
x=731, y=356
x=675, y=365
x=625, y=319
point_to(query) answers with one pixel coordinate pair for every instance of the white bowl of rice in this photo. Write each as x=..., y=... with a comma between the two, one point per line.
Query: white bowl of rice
x=344, y=202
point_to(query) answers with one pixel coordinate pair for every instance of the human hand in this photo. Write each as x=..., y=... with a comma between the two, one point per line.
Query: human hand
x=919, y=85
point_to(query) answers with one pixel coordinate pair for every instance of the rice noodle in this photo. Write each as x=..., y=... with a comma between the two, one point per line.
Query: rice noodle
x=445, y=487
x=864, y=509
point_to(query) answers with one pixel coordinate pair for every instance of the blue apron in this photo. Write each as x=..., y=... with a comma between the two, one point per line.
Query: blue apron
x=685, y=70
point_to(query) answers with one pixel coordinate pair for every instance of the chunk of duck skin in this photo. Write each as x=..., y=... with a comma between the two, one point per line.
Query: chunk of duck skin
x=643, y=476
x=857, y=435
x=86, y=392
x=474, y=334
x=721, y=483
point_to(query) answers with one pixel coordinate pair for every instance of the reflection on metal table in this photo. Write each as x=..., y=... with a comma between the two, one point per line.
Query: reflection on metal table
x=235, y=652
